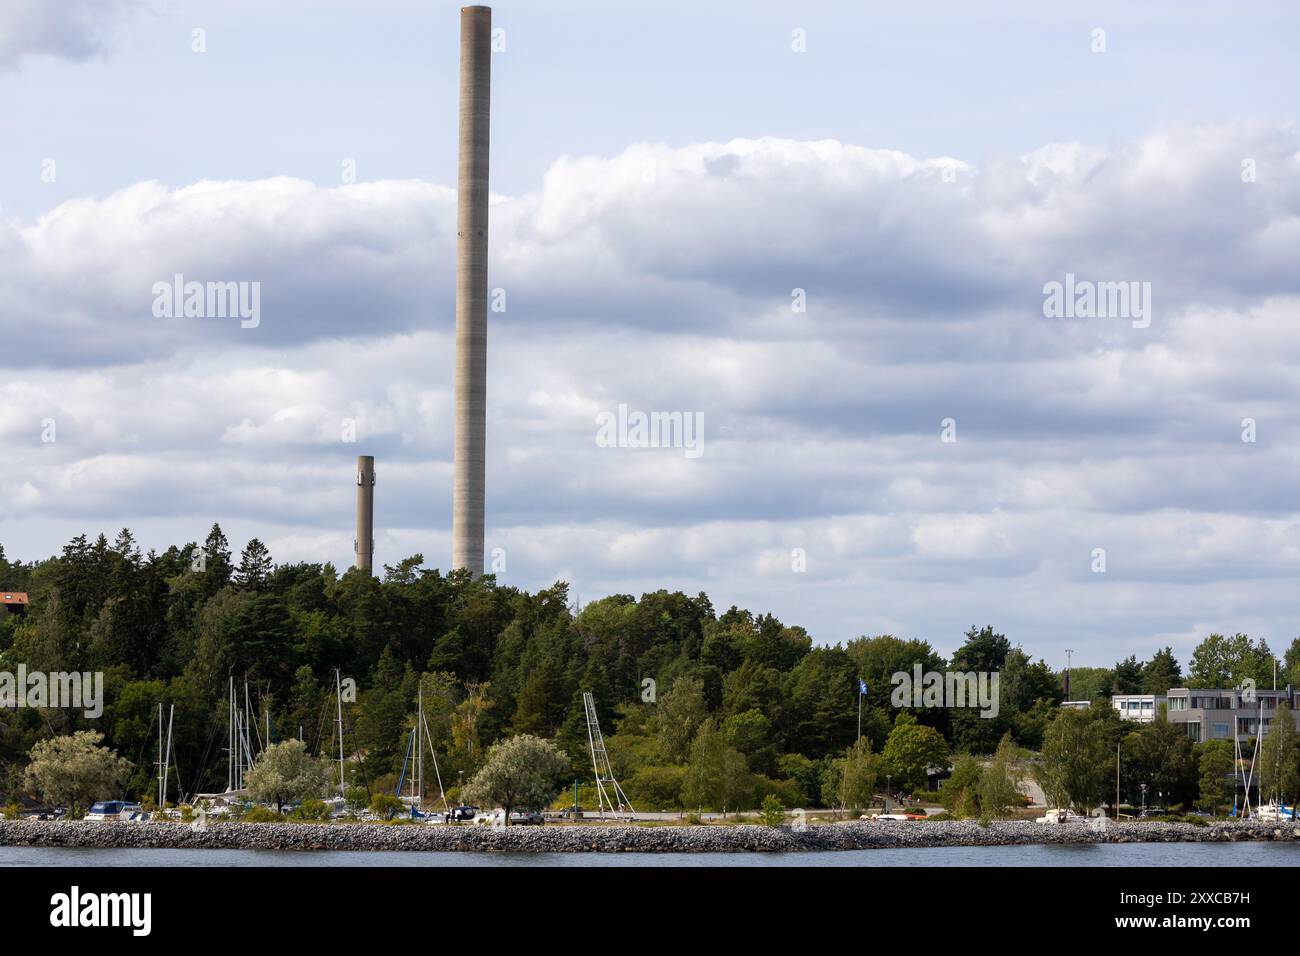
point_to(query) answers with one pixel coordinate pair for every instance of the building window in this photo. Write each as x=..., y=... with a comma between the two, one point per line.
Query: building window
x=1194, y=730
x=1221, y=731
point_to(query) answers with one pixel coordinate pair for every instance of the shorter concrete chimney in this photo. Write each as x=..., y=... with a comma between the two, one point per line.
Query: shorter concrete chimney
x=364, y=545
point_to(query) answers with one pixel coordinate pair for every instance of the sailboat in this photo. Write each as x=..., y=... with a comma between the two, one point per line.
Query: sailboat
x=164, y=762
x=242, y=733
x=415, y=747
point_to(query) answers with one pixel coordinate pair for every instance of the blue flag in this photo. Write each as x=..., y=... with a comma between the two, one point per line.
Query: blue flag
x=862, y=686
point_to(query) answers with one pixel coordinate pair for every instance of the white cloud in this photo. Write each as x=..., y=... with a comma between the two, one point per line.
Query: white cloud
x=661, y=278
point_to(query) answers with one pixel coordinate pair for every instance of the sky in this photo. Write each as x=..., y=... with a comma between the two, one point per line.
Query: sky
x=825, y=230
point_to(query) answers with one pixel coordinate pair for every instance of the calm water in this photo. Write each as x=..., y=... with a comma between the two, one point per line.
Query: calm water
x=1119, y=854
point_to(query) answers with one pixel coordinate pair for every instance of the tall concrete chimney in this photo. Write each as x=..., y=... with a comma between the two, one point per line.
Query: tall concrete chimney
x=364, y=546
x=471, y=290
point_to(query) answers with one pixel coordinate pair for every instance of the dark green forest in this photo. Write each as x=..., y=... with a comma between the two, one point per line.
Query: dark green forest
x=671, y=676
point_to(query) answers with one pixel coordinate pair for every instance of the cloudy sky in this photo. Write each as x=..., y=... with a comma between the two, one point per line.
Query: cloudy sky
x=664, y=179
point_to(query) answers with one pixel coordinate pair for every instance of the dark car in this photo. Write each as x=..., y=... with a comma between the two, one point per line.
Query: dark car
x=526, y=818
x=461, y=814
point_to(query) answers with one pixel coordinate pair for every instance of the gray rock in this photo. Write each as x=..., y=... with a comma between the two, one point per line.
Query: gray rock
x=617, y=838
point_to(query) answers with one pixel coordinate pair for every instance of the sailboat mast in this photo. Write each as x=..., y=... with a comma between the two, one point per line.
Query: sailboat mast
x=167, y=758
x=248, y=740
x=230, y=737
x=160, y=757
x=419, y=748
x=338, y=687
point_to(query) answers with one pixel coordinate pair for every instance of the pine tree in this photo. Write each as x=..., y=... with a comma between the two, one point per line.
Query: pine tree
x=255, y=566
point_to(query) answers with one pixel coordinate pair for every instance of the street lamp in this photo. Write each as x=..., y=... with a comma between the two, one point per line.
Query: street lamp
x=1144, y=797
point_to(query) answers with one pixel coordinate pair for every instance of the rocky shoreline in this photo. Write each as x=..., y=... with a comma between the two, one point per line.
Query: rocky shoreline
x=616, y=838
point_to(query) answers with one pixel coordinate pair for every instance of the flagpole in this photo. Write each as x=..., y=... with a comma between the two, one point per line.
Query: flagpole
x=862, y=689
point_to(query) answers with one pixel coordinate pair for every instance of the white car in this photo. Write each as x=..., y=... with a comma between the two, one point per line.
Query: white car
x=494, y=818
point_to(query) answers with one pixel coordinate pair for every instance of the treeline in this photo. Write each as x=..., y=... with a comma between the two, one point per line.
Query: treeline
x=1219, y=661
x=699, y=708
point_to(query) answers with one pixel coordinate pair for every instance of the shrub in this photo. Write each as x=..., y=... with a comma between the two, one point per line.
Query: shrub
x=262, y=815
x=386, y=806
x=772, y=814
x=311, y=810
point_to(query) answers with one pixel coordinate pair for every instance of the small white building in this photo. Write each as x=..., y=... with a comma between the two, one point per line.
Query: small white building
x=1141, y=708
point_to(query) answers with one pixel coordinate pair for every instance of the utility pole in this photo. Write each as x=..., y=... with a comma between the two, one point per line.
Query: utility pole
x=1068, y=652
x=1117, y=781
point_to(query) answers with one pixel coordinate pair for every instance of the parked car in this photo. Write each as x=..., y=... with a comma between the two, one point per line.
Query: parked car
x=461, y=814
x=58, y=813
x=495, y=817
x=526, y=818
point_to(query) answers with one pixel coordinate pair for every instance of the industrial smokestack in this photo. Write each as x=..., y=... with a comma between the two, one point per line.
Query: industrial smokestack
x=471, y=290
x=364, y=546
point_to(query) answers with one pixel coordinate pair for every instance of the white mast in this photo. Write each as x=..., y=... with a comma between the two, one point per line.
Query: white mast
x=434, y=754
x=167, y=759
x=230, y=737
x=338, y=686
x=419, y=748
x=248, y=740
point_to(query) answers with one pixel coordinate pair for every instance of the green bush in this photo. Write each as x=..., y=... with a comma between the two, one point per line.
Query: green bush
x=772, y=814
x=262, y=815
x=386, y=806
x=311, y=810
